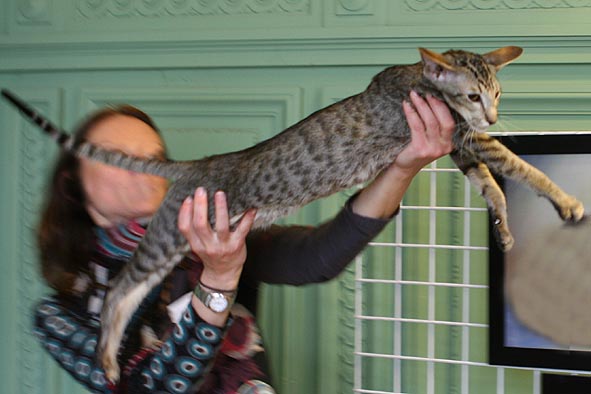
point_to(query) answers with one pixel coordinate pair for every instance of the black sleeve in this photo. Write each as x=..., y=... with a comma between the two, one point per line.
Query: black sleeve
x=298, y=255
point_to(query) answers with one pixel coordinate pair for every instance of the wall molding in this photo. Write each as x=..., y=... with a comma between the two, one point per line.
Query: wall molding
x=33, y=156
x=463, y=5
x=126, y=34
x=99, y=9
x=274, y=52
x=34, y=11
x=193, y=114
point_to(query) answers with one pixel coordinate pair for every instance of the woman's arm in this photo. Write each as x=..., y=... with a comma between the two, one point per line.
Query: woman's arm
x=297, y=255
x=222, y=251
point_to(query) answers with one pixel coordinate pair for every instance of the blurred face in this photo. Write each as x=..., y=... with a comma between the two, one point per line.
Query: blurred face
x=113, y=195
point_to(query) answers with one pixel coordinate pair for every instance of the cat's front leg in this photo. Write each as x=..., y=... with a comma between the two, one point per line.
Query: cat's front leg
x=507, y=164
x=568, y=207
x=479, y=175
x=482, y=179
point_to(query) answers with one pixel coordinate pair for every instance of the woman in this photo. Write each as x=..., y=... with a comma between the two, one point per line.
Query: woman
x=96, y=214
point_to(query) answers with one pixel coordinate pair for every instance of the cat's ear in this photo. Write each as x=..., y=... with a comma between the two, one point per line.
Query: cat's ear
x=435, y=65
x=499, y=58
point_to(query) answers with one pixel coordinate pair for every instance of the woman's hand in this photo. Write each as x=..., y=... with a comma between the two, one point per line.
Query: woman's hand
x=222, y=251
x=431, y=127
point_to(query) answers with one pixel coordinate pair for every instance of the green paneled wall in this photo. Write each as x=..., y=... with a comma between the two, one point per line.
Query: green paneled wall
x=219, y=75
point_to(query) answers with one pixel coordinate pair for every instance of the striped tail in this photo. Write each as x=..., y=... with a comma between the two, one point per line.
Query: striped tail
x=62, y=138
x=167, y=169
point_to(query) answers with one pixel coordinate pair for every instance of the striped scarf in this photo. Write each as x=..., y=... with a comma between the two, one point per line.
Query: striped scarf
x=120, y=241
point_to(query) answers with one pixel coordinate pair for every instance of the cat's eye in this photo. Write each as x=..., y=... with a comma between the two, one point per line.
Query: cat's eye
x=474, y=97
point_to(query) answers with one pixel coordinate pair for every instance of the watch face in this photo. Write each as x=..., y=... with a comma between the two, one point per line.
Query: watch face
x=217, y=302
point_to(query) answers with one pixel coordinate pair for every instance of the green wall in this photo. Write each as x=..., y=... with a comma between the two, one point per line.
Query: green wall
x=219, y=75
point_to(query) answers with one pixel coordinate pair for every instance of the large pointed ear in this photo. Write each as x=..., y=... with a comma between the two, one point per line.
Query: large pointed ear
x=501, y=57
x=435, y=66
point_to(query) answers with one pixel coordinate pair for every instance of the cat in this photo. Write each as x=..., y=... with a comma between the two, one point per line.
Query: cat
x=337, y=147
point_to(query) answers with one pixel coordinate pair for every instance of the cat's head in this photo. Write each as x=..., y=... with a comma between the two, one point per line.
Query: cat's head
x=468, y=81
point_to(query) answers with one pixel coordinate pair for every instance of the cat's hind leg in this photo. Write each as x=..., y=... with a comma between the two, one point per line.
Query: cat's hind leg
x=118, y=308
x=160, y=250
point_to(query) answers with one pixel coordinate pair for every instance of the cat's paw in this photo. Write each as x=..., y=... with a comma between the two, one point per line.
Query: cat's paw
x=503, y=236
x=110, y=365
x=506, y=242
x=149, y=339
x=571, y=210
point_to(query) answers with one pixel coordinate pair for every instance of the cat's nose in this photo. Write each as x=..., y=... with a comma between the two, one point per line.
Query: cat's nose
x=491, y=117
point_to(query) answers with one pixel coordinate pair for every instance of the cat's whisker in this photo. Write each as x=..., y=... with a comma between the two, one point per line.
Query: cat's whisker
x=506, y=124
x=466, y=137
x=504, y=127
x=469, y=139
x=472, y=134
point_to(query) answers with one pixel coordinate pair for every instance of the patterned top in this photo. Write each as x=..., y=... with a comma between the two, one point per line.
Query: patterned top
x=70, y=333
x=194, y=356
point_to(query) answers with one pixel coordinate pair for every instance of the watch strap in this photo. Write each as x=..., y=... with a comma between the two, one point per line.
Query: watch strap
x=213, y=289
x=207, y=294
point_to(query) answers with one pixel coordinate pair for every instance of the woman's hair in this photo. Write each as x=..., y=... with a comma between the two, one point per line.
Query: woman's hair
x=65, y=233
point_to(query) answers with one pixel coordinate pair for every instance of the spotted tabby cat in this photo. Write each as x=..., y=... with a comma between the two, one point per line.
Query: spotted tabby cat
x=337, y=147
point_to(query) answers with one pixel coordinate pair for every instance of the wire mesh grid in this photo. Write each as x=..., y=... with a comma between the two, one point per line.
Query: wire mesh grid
x=429, y=332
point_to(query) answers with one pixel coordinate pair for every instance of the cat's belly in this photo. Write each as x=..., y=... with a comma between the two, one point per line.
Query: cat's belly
x=265, y=216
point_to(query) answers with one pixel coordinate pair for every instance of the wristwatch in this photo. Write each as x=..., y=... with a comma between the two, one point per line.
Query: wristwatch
x=215, y=299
